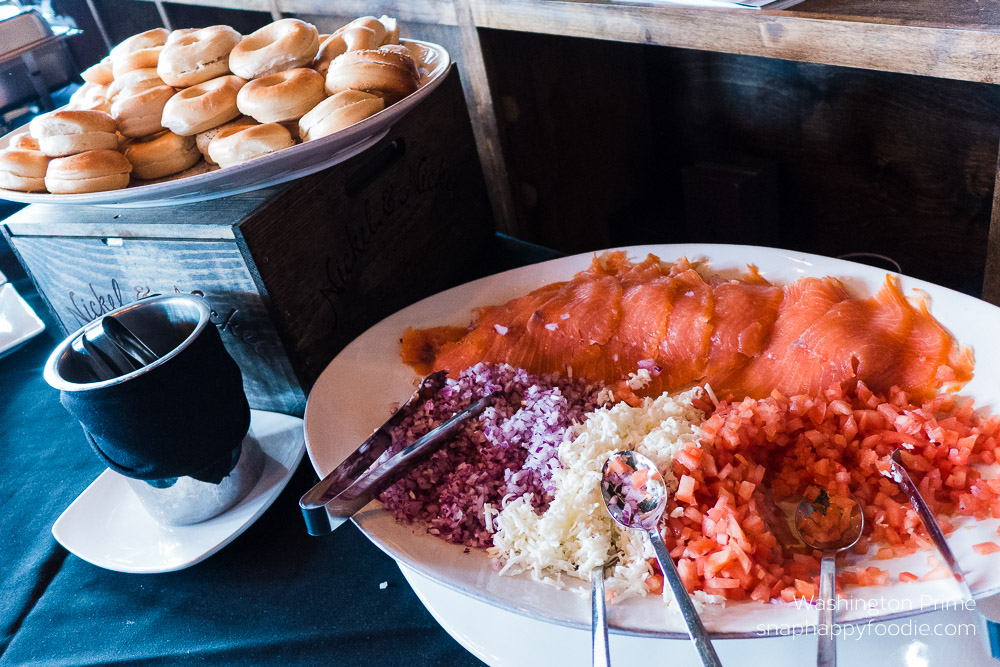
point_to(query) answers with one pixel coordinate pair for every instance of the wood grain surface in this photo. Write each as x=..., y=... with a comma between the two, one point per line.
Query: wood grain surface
x=212, y=219
x=991, y=277
x=957, y=40
x=441, y=12
x=598, y=144
x=975, y=14
x=910, y=47
x=351, y=245
x=308, y=266
x=84, y=278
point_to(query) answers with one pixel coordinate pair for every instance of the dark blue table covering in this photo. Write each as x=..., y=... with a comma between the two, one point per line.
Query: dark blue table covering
x=273, y=596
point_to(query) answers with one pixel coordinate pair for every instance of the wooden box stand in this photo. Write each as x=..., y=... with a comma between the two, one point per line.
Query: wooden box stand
x=293, y=273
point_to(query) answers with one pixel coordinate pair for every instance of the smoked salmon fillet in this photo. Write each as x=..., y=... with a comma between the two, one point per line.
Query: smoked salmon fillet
x=744, y=337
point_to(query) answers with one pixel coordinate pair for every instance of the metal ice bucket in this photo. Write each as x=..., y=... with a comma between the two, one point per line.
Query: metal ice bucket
x=89, y=366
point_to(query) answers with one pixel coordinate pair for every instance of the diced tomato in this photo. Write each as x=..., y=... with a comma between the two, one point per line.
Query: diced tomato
x=685, y=489
x=984, y=548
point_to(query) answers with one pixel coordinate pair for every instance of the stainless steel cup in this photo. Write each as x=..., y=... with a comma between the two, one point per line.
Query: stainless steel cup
x=110, y=394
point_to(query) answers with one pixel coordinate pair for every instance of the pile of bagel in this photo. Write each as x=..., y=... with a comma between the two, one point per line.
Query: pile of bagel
x=167, y=105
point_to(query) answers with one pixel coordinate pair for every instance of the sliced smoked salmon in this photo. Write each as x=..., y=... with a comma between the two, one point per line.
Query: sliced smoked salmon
x=790, y=370
x=744, y=337
x=683, y=352
x=420, y=347
x=742, y=321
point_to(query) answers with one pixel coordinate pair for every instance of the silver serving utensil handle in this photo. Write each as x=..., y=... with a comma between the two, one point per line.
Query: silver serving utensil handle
x=696, y=629
x=599, y=619
x=316, y=517
x=126, y=341
x=900, y=475
x=338, y=496
x=826, y=648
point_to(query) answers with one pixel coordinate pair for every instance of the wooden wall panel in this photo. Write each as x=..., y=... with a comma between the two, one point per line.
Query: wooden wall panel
x=575, y=125
x=867, y=161
x=599, y=138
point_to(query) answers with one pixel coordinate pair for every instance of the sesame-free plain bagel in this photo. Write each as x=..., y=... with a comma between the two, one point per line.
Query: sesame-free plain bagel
x=278, y=46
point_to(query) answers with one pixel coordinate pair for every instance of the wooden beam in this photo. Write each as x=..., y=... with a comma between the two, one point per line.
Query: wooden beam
x=954, y=40
x=440, y=12
x=991, y=276
x=484, y=122
x=953, y=52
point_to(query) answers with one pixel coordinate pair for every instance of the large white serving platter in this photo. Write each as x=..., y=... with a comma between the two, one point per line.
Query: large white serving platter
x=485, y=631
x=339, y=416
x=280, y=167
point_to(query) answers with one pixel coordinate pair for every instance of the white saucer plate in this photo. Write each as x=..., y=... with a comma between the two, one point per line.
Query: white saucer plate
x=108, y=526
x=280, y=167
x=18, y=322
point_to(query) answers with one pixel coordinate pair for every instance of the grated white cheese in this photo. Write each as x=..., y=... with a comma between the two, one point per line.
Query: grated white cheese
x=575, y=534
x=639, y=379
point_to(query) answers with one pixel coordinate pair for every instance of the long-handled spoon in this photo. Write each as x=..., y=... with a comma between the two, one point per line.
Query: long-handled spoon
x=834, y=541
x=635, y=495
x=986, y=628
x=599, y=617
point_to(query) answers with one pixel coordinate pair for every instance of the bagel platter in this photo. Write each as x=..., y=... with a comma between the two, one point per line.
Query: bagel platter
x=197, y=114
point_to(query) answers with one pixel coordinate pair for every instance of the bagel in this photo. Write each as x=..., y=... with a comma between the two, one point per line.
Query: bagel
x=205, y=138
x=90, y=96
x=420, y=55
x=383, y=72
x=133, y=82
x=282, y=45
x=143, y=40
x=201, y=167
x=329, y=48
x=141, y=115
x=23, y=141
x=281, y=97
x=161, y=155
x=192, y=57
x=100, y=73
x=23, y=170
x=391, y=29
x=366, y=32
x=293, y=129
x=236, y=145
x=203, y=106
x=141, y=59
x=335, y=113
x=92, y=171
x=68, y=132
x=146, y=45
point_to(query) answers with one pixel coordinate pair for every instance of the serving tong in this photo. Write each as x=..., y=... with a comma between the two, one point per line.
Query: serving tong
x=111, y=349
x=988, y=630
x=357, y=481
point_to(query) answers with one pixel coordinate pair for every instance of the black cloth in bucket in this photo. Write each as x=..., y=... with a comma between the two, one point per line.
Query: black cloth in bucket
x=183, y=417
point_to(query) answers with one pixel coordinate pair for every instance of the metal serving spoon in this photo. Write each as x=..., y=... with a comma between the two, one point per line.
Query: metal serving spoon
x=645, y=516
x=987, y=629
x=826, y=643
x=599, y=616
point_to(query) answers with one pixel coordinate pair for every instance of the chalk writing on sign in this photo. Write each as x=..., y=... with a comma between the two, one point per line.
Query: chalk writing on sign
x=422, y=176
x=229, y=323
x=92, y=304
